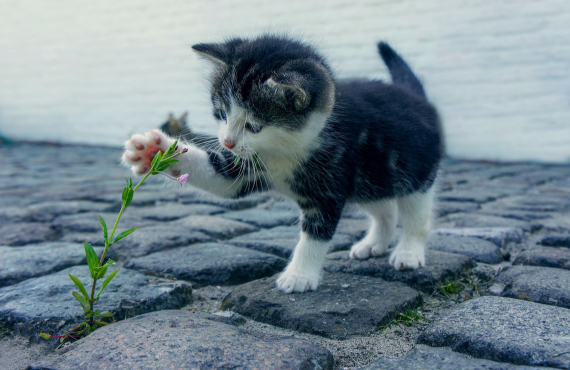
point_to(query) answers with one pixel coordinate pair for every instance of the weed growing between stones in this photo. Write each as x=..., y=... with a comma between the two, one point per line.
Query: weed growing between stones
x=98, y=269
x=454, y=287
x=407, y=318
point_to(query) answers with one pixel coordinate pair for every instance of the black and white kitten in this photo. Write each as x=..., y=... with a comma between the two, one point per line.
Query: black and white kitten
x=318, y=141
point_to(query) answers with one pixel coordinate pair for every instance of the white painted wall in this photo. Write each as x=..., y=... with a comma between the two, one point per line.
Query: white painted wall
x=97, y=71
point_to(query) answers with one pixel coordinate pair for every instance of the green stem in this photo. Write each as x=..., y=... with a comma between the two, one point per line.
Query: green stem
x=107, y=245
x=144, y=178
x=92, y=300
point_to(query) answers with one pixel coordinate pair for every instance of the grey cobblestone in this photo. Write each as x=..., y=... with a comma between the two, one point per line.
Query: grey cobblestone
x=500, y=226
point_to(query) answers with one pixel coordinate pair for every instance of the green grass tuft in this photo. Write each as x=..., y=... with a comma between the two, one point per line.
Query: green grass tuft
x=453, y=287
x=406, y=318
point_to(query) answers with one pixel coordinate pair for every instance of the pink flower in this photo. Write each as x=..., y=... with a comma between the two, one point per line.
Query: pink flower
x=183, y=179
x=184, y=150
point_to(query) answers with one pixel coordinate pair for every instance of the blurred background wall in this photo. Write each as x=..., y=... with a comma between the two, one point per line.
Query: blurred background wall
x=98, y=71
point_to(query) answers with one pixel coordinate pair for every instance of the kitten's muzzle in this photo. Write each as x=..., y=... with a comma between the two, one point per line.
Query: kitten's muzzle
x=229, y=144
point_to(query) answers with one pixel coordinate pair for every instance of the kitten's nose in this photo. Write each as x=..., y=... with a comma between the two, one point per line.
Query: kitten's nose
x=229, y=144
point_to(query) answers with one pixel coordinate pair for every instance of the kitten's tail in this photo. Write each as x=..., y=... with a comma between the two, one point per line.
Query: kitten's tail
x=401, y=73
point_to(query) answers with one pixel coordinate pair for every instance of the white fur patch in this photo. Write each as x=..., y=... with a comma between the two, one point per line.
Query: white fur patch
x=303, y=272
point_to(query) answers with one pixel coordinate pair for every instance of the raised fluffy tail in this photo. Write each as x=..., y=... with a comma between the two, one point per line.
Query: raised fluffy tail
x=402, y=74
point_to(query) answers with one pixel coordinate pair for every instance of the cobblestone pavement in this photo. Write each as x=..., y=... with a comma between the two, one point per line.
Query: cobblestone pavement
x=196, y=286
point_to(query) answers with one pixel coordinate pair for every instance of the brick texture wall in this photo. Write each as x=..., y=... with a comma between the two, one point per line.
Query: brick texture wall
x=98, y=71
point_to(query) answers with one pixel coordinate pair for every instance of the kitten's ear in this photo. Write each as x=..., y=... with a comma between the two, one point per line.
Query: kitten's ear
x=289, y=88
x=216, y=53
x=182, y=119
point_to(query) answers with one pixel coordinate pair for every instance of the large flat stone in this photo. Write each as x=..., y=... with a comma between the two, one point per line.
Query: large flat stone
x=343, y=305
x=209, y=264
x=21, y=263
x=185, y=340
x=45, y=304
x=478, y=249
x=282, y=240
x=440, y=267
x=538, y=284
x=428, y=358
x=152, y=239
x=505, y=330
x=501, y=236
x=216, y=227
x=26, y=233
x=264, y=217
x=545, y=256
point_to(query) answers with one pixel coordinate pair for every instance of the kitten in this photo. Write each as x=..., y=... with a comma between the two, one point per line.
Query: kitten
x=286, y=124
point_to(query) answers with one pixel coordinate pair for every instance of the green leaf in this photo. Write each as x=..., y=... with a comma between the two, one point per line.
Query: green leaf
x=124, y=234
x=101, y=272
x=156, y=160
x=79, y=286
x=109, y=262
x=127, y=195
x=170, y=150
x=105, y=314
x=45, y=336
x=105, y=235
x=255, y=158
x=82, y=301
x=236, y=161
x=107, y=280
x=92, y=259
x=166, y=163
x=129, y=182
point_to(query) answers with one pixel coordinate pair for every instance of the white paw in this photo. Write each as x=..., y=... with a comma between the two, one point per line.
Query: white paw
x=290, y=282
x=403, y=259
x=364, y=249
x=141, y=149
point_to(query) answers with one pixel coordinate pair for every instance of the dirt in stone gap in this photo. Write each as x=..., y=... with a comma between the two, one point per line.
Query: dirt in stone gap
x=352, y=353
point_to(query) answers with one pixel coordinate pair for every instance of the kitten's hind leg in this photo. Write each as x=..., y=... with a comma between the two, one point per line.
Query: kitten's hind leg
x=383, y=217
x=415, y=216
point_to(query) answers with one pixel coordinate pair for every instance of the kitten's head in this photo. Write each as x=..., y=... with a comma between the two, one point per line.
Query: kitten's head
x=271, y=95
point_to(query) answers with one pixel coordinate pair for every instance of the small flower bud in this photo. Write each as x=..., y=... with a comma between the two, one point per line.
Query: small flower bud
x=183, y=179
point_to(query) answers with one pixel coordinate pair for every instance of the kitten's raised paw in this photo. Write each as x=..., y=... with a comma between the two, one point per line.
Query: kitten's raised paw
x=290, y=282
x=407, y=260
x=141, y=149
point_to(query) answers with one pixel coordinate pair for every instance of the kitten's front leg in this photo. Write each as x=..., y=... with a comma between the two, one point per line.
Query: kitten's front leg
x=304, y=270
x=206, y=170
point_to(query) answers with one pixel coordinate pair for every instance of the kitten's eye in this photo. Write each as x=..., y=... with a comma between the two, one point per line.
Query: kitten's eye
x=224, y=116
x=252, y=128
